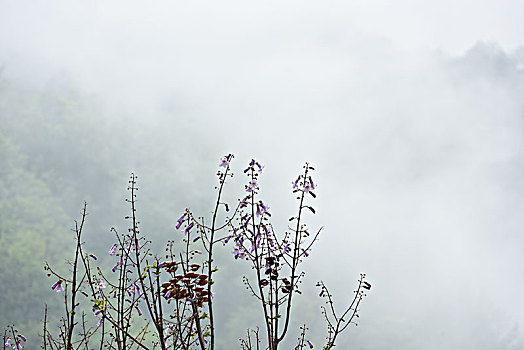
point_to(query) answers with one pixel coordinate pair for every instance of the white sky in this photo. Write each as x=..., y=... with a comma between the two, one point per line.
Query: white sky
x=452, y=26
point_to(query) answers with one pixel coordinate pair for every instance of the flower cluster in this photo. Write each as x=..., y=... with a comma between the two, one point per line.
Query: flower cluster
x=17, y=344
x=254, y=166
x=304, y=183
x=224, y=163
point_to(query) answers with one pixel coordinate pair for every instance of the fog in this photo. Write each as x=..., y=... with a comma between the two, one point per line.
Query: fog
x=411, y=112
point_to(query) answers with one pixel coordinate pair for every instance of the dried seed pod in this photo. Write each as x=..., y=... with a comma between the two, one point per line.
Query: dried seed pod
x=264, y=282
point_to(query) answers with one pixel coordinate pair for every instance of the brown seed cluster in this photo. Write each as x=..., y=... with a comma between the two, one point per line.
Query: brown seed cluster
x=189, y=285
x=272, y=268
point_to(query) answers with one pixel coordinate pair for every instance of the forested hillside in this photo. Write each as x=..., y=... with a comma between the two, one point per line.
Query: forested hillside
x=52, y=159
x=59, y=148
x=31, y=218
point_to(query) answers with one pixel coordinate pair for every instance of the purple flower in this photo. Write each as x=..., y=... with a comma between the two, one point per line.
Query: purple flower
x=168, y=294
x=139, y=311
x=93, y=256
x=112, y=251
x=133, y=289
x=57, y=287
x=310, y=344
x=180, y=220
x=243, y=202
x=252, y=186
x=224, y=162
x=239, y=252
x=287, y=249
x=262, y=209
x=228, y=238
x=309, y=186
x=22, y=337
x=367, y=285
x=8, y=342
x=114, y=267
x=295, y=183
x=101, y=284
x=305, y=253
x=260, y=167
x=100, y=321
x=186, y=231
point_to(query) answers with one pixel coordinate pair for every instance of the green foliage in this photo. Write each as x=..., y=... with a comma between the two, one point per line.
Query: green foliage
x=51, y=153
x=58, y=149
x=30, y=217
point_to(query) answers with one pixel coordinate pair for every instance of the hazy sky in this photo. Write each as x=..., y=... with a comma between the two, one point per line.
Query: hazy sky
x=412, y=112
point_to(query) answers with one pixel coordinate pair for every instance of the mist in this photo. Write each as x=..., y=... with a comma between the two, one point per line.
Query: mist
x=411, y=113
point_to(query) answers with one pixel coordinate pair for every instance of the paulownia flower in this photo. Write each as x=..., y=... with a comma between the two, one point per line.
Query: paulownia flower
x=224, y=162
x=101, y=284
x=180, y=220
x=57, y=287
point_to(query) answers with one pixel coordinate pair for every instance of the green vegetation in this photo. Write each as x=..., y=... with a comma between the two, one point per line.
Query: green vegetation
x=45, y=145
x=58, y=149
